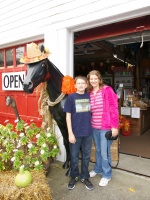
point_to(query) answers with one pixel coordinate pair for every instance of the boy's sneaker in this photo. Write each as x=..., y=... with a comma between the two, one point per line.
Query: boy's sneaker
x=92, y=173
x=87, y=183
x=104, y=181
x=71, y=184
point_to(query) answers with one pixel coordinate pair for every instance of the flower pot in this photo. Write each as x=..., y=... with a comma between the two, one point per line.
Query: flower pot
x=126, y=133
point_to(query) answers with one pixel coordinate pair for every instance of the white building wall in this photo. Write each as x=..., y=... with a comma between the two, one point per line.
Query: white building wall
x=56, y=20
x=26, y=19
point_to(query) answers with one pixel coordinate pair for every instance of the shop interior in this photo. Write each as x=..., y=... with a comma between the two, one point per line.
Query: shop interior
x=124, y=62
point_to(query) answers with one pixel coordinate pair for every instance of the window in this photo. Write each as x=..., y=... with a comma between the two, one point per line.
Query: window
x=10, y=57
x=2, y=58
x=19, y=54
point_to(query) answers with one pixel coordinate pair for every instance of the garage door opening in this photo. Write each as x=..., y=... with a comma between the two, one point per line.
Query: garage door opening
x=121, y=58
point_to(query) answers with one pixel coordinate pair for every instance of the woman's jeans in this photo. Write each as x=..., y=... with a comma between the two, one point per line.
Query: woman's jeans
x=84, y=144
x=103, y=155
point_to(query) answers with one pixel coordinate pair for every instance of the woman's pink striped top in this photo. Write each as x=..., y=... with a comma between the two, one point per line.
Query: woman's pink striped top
x=96, y=105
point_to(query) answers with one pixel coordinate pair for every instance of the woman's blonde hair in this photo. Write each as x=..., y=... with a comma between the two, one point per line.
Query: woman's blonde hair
x=98, y=74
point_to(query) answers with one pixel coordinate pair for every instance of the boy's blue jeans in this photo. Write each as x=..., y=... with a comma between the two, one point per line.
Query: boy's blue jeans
x=103, y=155
x=83, y=143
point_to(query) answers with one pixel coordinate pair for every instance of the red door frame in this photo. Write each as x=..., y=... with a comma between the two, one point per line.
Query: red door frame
x=115, y=29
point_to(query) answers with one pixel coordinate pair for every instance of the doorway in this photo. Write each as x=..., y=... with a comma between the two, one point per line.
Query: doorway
x=120, y=58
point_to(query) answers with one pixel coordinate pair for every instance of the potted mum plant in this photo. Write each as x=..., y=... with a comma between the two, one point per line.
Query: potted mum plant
x=27, y=145
x=124, y=126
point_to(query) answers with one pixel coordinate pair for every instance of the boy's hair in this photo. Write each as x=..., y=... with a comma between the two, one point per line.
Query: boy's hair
x=80, y=77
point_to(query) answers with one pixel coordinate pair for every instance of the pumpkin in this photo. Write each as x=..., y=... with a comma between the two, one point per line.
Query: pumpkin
x=23, y=178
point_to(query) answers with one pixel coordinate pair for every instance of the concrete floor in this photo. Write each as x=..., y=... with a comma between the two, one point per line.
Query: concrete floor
x=134, y=164
x=123, y=186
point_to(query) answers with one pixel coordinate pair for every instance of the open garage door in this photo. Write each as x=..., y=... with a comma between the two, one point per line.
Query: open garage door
x=120, y=49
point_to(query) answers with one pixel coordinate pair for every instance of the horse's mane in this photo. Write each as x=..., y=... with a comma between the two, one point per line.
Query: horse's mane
x=55, y=81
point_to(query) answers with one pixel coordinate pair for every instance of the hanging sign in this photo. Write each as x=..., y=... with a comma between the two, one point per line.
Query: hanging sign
x=125, y=111
x=13, y=81
x=135, y=112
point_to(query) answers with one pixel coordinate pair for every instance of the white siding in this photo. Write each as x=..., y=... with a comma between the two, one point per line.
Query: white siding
x=20, y=20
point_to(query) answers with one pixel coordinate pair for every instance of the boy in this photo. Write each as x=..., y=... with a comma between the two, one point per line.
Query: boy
x=78, y=117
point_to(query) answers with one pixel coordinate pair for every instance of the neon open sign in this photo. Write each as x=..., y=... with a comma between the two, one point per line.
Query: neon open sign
x=13, y=80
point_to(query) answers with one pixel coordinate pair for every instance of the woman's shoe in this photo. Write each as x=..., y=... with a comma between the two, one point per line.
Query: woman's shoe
x=104, y=181
x=92, y=173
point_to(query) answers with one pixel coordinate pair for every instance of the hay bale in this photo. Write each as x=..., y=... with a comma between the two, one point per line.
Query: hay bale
x=114, y=151
x=37, y=190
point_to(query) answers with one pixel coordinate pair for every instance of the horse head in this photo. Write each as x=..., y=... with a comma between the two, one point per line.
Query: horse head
x=42, y=71
x=11, y=101
x=8, y=100
x=36, y=73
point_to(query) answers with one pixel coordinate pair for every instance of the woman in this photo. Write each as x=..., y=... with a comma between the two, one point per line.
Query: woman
x=105, y=117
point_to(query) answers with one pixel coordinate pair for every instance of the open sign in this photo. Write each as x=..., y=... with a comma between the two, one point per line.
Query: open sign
x=13, y=80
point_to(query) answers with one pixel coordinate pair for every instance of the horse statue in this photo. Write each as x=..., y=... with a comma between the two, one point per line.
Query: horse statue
x=40, y=69
x=11, y=101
